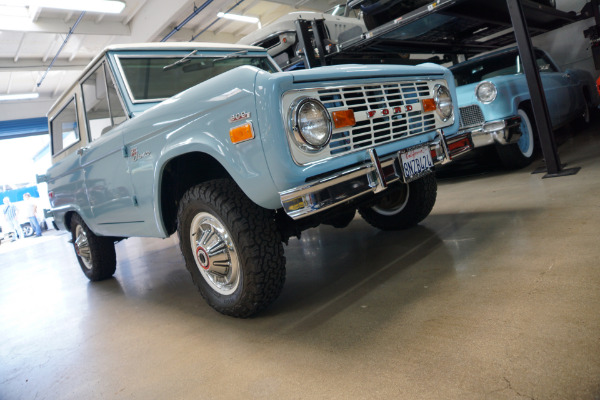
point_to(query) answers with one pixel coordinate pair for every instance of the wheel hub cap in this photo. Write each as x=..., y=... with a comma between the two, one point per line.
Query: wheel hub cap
x=202, y=258
x=215, y=253
x=82, y=247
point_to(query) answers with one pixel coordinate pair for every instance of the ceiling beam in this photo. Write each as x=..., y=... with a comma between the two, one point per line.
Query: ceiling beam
x=34, y=64
x=156, y=18
x=49, y=25
x=19, y=47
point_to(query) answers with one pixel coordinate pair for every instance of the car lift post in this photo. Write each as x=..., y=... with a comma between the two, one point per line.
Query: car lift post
x=303, y=36
x=538, y=98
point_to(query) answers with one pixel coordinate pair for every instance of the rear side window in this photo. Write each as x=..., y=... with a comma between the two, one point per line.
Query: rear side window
x=65, y=128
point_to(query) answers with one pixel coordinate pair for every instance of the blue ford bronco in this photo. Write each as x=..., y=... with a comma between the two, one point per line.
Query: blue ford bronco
x=216, y=143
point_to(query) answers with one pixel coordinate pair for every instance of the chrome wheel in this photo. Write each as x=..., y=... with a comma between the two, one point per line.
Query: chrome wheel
x=82, y=247
x=393, y=203
x=214, y=253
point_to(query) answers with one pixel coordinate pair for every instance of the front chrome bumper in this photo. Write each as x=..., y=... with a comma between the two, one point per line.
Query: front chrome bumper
x=504, y=131
x=371, y=177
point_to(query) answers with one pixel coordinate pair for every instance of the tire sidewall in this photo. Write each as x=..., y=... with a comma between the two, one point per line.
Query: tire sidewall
x=77, y=221
x=102, y=250
x=527, y=138
x=422, y=195
x=214, y=298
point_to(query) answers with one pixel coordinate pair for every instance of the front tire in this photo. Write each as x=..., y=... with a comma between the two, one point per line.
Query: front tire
x=404, y=206
x=520, y=154
x=232, y=248
x=95, y=254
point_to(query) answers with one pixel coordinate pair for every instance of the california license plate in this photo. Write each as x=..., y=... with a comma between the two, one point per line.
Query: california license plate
x=415, y=162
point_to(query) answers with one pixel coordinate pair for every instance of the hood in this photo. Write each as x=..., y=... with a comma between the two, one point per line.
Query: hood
x=356, y=71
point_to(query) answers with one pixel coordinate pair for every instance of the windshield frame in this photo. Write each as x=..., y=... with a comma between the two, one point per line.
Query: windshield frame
x=179, y=55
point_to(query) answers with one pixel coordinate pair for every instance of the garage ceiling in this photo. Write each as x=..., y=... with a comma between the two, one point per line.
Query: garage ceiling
x=30, y=39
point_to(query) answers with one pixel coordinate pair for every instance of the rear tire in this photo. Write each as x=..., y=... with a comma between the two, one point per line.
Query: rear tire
x=232, y=248
x=95, y=254
x=27, y=229
x=404, y=206
x=520, y=154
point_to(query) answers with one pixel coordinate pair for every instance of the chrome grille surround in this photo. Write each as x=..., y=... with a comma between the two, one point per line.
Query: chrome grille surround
x=471, y=116
x=370, y=130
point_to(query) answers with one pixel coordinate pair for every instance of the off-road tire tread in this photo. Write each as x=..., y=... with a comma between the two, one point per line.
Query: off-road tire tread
x=104, y=257
x=257, y=239
x=422, y=196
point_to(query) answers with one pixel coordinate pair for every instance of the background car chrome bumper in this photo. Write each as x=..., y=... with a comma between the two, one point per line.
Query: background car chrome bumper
x=371, y=177
x=504, y=131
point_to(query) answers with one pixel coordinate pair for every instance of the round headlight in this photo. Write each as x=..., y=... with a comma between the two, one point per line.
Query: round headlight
x=443, y=102
x=311, y=124
x=486, y=92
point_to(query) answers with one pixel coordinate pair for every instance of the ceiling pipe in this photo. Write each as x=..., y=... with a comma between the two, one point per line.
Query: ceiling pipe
x=215, y=21
x=188, y=19
x=61, y=48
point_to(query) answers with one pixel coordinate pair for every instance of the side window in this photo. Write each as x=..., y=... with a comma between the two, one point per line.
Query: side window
x=102, y=107
x=544, y=65
x=64, y=127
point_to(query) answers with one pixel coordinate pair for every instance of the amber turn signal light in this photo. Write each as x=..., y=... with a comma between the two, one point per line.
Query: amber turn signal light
x=428, y=105
x=241, y=133
x=343, y=118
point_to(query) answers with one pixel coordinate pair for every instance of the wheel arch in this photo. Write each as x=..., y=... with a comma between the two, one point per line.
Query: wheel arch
x=527, y=106
x=178, y=175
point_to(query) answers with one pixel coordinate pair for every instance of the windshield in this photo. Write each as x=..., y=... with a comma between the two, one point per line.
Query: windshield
x=148, y=80
x=505, y=64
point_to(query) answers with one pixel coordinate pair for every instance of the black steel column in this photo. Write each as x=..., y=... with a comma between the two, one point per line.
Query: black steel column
x=303, y=36
x=319, y=32
x=536, y=91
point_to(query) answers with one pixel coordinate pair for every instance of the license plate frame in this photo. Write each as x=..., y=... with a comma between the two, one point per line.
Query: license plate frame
x=415, y=162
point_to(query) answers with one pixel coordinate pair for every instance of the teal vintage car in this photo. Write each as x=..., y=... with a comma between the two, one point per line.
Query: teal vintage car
x=216, y=143
x=495, y=105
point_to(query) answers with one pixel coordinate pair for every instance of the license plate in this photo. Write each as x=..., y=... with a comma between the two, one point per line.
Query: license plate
x=415, y=162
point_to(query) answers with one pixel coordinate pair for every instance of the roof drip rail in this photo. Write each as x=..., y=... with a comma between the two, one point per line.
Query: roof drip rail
x=62, y=46
x=197, y=11
x=215, y=21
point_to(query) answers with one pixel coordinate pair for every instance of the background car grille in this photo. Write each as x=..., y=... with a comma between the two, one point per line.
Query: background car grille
x=379, y=130
x=470, y=116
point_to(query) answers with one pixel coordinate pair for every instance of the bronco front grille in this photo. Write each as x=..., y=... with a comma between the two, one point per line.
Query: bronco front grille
x=471, y=116
x=382, y=129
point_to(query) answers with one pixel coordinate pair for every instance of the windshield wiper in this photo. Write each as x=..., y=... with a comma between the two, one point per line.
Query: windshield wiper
x=187, y=58
x=177, y=63
x=232, y=55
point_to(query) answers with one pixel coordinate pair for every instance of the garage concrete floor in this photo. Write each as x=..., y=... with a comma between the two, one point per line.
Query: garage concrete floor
x=496, y=295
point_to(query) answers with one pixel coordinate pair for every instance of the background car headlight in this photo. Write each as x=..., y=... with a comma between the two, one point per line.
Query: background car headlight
x=311, y=124
x=486, y=92
x=443, y=102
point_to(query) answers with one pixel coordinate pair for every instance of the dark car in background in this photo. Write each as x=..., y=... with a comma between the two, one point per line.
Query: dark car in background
x=379, y=12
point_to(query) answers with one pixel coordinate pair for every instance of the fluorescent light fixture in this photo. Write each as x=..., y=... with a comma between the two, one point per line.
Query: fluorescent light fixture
x=241, y=18
x=21, y=96
x=13, y=11
x=100, y=6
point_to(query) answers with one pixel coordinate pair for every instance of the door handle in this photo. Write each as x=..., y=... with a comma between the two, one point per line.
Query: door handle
x=82, y=150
